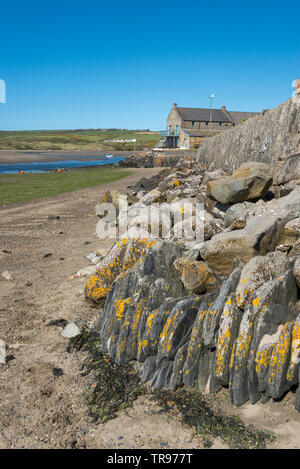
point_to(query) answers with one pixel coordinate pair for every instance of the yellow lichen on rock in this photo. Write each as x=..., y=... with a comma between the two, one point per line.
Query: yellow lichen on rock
x=280, y=354
x=121, y=258
x=295, y=354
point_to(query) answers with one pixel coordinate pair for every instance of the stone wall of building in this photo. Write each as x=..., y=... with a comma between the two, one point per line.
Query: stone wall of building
x=191, y=142
x=173, y=120
x=184, y=138
x=269, y=137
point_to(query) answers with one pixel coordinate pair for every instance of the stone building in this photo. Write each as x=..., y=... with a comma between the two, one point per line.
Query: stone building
x=186, y=127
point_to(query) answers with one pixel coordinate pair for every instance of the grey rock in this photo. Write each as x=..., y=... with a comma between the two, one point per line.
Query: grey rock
x=237, y=211
x=251, y=181
x=71, y=330
x=267, y=138
x=297, y=397
x=289, y=171
x=279, y=364
x=260, y=236
x=256, y=272
x=215, y=310
x=296, y=270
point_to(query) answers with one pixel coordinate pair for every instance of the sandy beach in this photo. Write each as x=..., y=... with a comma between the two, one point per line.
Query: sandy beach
x=43, y=244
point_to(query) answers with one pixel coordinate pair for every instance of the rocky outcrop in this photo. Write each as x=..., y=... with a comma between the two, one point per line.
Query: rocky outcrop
x=212, y=340
x=221, y=312
x=289, y=171
x=122, y=257
x=268, y=138
x=260, y=235
x=159, y=159
x=196, y=276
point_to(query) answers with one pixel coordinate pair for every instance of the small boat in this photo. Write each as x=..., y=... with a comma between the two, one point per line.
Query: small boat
x=108, y=155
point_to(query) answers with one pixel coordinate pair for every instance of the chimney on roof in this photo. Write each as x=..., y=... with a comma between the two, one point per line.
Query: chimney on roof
x=174, y=104
x=223, y=108
x=297, y=86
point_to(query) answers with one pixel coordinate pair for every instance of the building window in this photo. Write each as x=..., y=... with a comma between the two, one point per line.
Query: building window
x=176, y=130
x=193, y=123
x=207, y=123
x=220, y=123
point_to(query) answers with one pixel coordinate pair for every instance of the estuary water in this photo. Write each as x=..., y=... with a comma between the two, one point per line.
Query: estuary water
x=64, y=163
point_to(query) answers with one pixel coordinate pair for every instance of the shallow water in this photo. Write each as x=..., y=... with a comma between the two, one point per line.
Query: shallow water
x=41, y=167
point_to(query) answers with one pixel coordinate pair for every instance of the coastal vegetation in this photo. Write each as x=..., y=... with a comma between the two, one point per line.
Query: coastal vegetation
x=88, y=139
x=18, y=188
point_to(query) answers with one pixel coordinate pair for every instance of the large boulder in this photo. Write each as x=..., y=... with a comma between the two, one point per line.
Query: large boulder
x=133, y=303
x=256, y=272
x=124, y=254
x=237, y=212
x=196, y=276
x=261, y=235
x=296, y=270
x=251, y=181
x=292, y=231
x=151, y=197
x=115, y=198
x=290, y=170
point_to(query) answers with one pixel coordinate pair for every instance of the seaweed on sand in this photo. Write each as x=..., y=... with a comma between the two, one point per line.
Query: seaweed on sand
x=113, y=387
x=203, y=414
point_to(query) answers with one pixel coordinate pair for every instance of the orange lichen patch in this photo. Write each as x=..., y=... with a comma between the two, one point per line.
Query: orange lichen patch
x=255, y=302
x=94, y=289
x=143, y=343
x=238, y=299
x=195, y=344
x=136, y=337
x=166, y=336
x=295, y=353
x=243, y=343
x=280, y=353
x=122, y=258
x=231, y=362
x=120, y=307
x=262, y=359
x=121, y=348
x=222, y=351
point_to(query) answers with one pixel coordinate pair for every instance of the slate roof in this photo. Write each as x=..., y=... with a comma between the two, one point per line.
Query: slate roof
x=202, y=114
x=194, y=132
x=238, y=117
x=217, y=115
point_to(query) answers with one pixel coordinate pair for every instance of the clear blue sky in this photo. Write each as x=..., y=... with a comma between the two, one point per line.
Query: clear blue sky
x=122, y=64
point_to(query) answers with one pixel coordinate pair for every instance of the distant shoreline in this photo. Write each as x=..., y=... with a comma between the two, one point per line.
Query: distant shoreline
x=18, y=156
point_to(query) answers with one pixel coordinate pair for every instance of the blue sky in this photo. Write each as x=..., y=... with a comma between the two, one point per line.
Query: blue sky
x=122, y=64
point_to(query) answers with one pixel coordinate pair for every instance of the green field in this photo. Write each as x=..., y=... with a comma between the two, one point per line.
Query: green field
x=18, y=188
x=77, y=139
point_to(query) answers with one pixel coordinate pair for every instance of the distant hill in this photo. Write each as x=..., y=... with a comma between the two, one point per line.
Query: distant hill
x=89, y=139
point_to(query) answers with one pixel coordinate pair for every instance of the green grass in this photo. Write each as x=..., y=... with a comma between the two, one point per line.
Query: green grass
x=18, y=188
x=77, y=139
